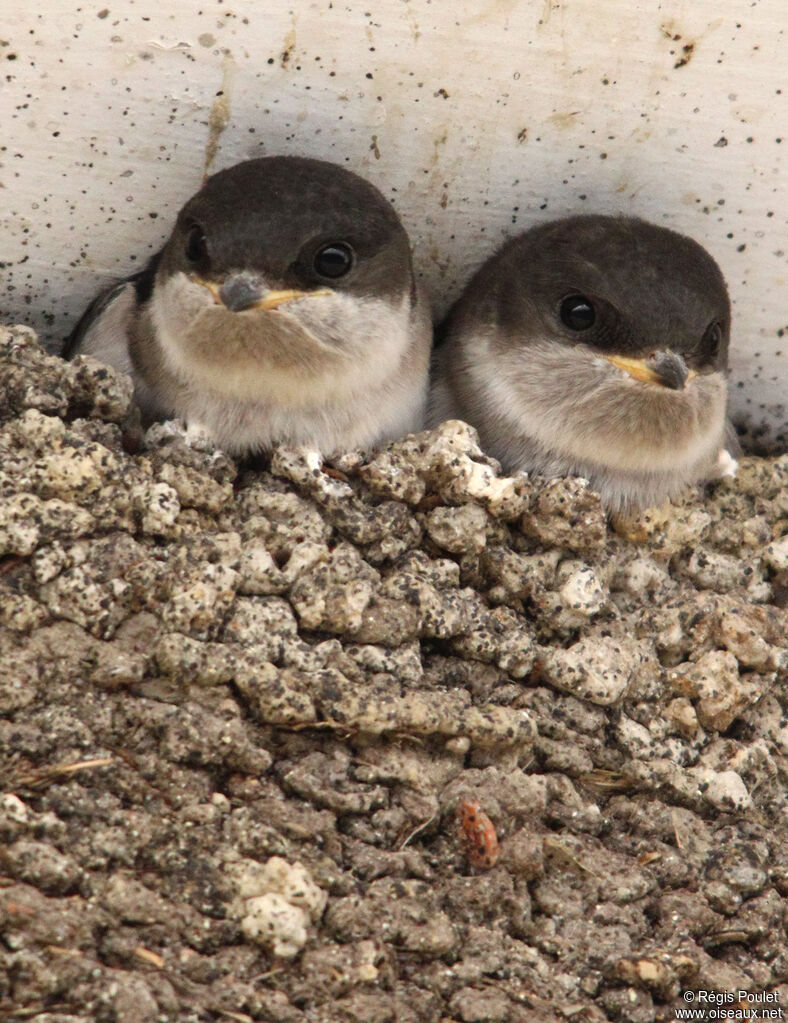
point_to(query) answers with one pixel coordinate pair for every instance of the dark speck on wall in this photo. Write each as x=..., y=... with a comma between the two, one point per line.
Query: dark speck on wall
x=687, y=52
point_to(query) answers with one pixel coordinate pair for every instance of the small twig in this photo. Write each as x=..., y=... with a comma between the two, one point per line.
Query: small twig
x=149, y=957
x=14, y=1014
x=240, y=1016
x=44, y=775
x=606, y=781
x=335, y=474
x=264, y=976
x=416, y=831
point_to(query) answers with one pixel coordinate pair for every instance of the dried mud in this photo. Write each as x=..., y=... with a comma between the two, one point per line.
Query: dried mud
x=240, y=707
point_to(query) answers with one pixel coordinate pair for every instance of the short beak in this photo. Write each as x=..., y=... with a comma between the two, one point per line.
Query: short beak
x=243, y=291
x=665, y=368
x=273, y=299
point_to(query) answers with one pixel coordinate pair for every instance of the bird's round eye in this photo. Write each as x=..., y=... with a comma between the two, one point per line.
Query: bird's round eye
x=577, y=312
x=333, y=260
x=712, y=339
x=197, y=246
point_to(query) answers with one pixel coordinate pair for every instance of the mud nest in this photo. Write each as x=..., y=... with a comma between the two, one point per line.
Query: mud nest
x=243, y=708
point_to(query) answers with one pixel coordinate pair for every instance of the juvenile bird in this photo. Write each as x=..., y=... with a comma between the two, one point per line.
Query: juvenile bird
x=283, y=308
x=594, y=346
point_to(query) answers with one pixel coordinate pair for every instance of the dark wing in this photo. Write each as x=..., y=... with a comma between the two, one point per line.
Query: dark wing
x=143, y=285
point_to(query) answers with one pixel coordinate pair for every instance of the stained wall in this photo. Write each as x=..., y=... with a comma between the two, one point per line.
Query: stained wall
x=476, y=119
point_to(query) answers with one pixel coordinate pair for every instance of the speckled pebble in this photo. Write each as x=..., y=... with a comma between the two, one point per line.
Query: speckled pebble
x=566, y=513
x=642, y=576
x=201, y=602
x=29, y=379
x=465, y=477
x=190, y=660
x=681, y=715
x=27, y=521
x=194, y=489
x=14, y=817
x=583, y=594
x=332, y=594
x=277, y=901
x=710, y=570
x=776, y=554
x=741, y=631
x=498, y=636
x=460, y=530
x=294, y=883
x=715, y=683
x=725, y=790
x=41, y=864
x=403, y=662
x=393, y=476
x=271, y=920
x=159, y=507
x=97, y=389
x=669, y=528
x=595, y=670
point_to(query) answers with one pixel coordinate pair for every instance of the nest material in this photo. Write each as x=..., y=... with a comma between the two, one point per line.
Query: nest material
x=240, y=709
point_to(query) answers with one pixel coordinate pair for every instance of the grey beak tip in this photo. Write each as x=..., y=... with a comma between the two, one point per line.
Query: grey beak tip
x=240, y=292
x=671, y=369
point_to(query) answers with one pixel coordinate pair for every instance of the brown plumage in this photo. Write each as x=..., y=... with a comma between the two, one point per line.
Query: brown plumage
x=595, y=346
x=283, y=308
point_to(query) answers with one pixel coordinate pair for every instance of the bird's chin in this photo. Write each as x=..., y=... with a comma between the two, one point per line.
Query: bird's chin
x=254, y=336
x=302, y=352
x=631, y=425
x=238, y=354
x=576, y=405
x=248, y=354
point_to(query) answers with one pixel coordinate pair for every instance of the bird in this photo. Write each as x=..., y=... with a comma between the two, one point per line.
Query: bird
x=283, y=309
x=594, y=346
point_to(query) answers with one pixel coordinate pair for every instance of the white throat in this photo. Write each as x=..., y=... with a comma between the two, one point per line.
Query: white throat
x=331, y=371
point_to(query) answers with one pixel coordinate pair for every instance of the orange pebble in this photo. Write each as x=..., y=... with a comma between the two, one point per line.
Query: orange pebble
x=477, y=835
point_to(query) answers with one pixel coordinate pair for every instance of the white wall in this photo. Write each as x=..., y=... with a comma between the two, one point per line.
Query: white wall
x=477, y=119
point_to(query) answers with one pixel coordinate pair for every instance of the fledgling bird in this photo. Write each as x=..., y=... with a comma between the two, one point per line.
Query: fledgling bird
x=282, y=309
x=594, y=346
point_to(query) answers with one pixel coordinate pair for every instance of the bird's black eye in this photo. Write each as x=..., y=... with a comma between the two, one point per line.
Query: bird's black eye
x=333, y=260
x=577, y=312
x=197, y=246
x=712, y=339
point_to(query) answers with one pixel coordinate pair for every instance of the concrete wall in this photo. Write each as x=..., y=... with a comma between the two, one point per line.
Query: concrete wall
x=477, y=119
